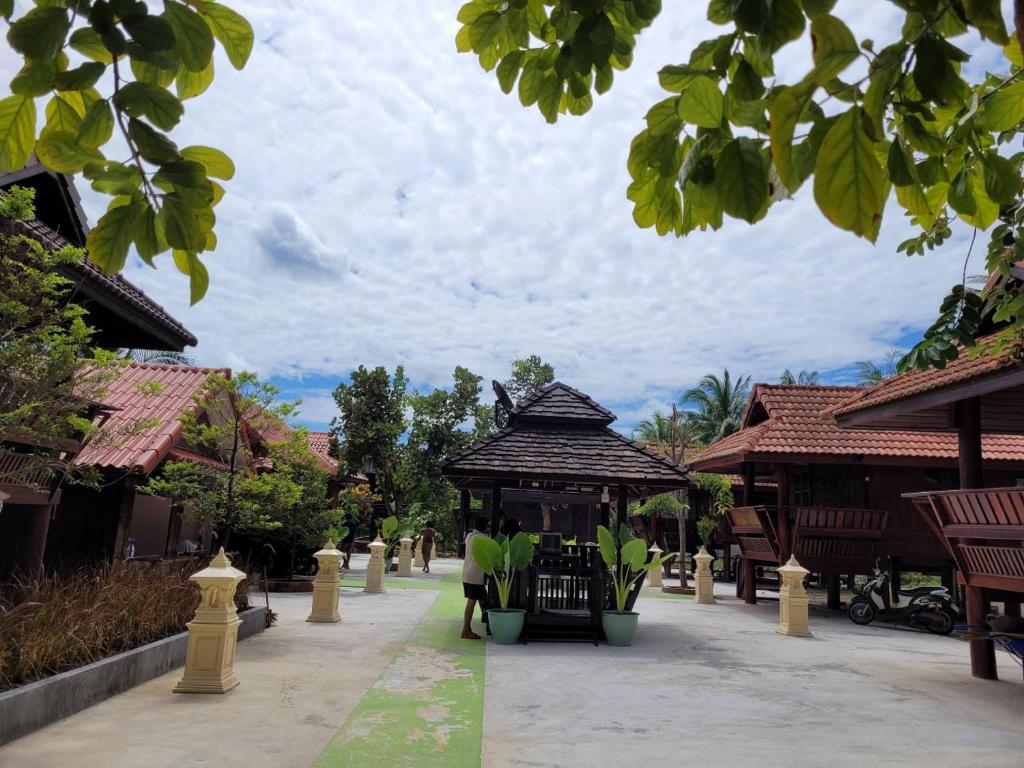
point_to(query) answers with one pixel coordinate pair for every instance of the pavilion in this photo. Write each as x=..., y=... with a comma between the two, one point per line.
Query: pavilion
x=980, y=398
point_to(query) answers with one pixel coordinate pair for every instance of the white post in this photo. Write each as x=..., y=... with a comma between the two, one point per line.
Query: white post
x=326, y=585
x=705, y=592
x=793, y=618
x=375, y=569
x=405, y=556
x=654, y=575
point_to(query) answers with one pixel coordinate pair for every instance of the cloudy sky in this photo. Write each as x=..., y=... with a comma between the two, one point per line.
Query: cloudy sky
x=393, y=206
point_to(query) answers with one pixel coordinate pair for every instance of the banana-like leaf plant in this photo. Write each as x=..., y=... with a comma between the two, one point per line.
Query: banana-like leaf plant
x=390, y=534
x=626, y=560
x=501, y=559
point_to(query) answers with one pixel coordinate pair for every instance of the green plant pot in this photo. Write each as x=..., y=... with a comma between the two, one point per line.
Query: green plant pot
x=506, y=624
x=619, y=628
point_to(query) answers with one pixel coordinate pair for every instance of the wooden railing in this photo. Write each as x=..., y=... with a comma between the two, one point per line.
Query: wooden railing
x=983, y=531
x=23, y=469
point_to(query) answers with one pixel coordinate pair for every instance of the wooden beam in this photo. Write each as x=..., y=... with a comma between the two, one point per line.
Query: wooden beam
x=124, y=517
x=749, y=482
x=833, y=601
x=622, y=505
x=969, y=438
x=495, y=507
x=785, y=523
x=464, y=520
x=983, y=652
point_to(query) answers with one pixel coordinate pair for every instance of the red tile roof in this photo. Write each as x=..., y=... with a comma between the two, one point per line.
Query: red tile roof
x=320, y=445
x=796, y=420
x=968, y=366
x=142, y=452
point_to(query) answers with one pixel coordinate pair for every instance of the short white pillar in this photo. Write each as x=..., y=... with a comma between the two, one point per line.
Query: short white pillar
x=654, y=575
x=326, y=585
x=793, y=618
x=375, y=569
x=213, y=633
x=417, y=554
x=405, y=556
x=705, y=582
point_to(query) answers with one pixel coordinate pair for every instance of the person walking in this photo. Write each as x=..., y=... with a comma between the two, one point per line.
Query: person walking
x=427, y=537
x=473, y=582
x=349, y=539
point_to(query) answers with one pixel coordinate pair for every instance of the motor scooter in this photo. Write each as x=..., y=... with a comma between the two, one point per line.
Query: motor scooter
x=931, y=608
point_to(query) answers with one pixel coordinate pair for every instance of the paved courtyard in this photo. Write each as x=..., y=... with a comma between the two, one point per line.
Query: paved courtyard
x=392, y=685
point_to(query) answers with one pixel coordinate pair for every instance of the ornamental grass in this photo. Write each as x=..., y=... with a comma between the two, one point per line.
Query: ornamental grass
x=66, y=620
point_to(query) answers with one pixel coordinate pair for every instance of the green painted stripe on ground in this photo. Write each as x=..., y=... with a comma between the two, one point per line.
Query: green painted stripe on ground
x=427, y=708
x=394, y=583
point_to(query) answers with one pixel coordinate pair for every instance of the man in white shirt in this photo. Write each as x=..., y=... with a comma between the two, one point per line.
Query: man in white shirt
x=473, y=582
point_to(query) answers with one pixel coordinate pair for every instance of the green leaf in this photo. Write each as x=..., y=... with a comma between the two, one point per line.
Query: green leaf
x=634, y=554
x=181, y=226
x=1004, y=109
x=677, y=78
x=487, y=554
x=961, y=194
x=783, y=113
x=35, y=78
x=934, y=74
x=508, y=70
x=231, y=30
x=1001, y=177
x=785, y=23
x=900, y=167
x=6, y=8
x=150, y=73
x=818, y=7
x=849, y=186
x=663, y=119
x=834, y=46
x=741, y=177
x=181, y=173
x=198, y=277
x=878, y=97
x=148, y=236
x=606, y=544
x=141, y=99
x=550, y=96
x=40, y=33
x=701, y=103
x=191, y=84
x=193, y=40
x=746, y=83
x=87, y=42
x=97, y=126
x=987, y=17
x=17, y=132
x=152, y=32
x=520, y=552
x=986, y=210
x=107, y=243
x=530, y=82
x=218, y=165
x=79, y=78
x=152, y=145
x=60, y=152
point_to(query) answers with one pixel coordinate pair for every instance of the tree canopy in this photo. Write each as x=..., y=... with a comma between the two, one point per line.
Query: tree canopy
x=866, y=121
x=717, y=405
x=114, y=67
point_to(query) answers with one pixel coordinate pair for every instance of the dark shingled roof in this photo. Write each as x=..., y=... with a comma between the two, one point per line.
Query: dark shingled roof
x=559, y=402
x=561, y=435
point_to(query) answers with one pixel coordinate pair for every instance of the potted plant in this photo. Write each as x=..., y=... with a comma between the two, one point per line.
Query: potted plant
x=626, y=560
x=501, y=559
x=390, y=535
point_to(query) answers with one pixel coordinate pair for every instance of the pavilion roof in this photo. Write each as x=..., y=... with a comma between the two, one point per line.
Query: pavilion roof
x=320, y=445
x=921, y=399
x=794, y=423
x=561, y=435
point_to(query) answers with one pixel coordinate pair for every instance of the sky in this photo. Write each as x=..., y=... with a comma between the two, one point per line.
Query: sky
x=393, y=206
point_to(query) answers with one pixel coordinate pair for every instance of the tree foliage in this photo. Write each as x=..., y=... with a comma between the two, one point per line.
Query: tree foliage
x=866, y=122
x=870, y=373
x=529, y=374
x=109, y=67
x=717, y=405
x=803, y=379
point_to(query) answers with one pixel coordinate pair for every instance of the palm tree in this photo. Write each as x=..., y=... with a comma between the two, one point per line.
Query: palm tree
x=870, y=373
x=167, y=357
x=656, y=429
x=803, y=379
x=718, y=405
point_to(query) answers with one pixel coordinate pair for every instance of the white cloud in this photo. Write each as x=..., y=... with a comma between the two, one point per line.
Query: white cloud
x=392, y=205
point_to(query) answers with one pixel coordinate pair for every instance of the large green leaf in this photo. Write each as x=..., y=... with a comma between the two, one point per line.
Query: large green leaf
x=520, y=552
x=849, y=185
x=487, y=555
x=153, y=145
x=835, y=48
x=783, y=113
x=40, y=33
x=198, y=276
x=17, y=132
x=606, y=544
x=160, y=106
x=149, y=237
x=193, y=40
x=152, y=32
x=97, y=126
x=108, y=242
x=182, y=228
x=191, y=84
x=634, y=554
x=60, y=151
x=741, y=177
x=87, y=42
x=1004, y=108
x=232, y=30
x=1002, y=178
x=701, y=103
x=988, y=18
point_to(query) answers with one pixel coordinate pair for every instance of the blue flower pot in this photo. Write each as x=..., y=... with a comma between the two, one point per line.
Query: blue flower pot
x=619, y=628
x=506, y=624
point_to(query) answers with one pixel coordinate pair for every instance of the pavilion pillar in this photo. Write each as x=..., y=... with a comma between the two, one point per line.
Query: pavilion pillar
x=622, y=507
x=895, y=578
x=606, y=509
x=983, y=652
x=1011, y=608
x=834, y=585
x=748, y=575
x=119, y=545
x=464, y=516
x=496, y=508
x=782, y=501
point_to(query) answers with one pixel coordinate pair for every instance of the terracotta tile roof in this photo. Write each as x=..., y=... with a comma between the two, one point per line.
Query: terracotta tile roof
x=967, y=367
x=144, y=451
x=114, y=285
x=320, y=445
x=734, y=479
x=797, y=420
x=560, y=402
x=561, y=434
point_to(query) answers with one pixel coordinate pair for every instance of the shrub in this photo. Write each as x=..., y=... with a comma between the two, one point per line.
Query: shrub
x=62, y=621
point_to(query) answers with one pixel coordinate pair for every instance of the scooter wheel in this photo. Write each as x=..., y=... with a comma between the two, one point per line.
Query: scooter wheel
x=862, y=612
x=942, y=628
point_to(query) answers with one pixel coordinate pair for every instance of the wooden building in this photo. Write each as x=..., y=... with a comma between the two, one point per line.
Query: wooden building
x=977, y=400
x=558, y=454
x=839, y=493
x=122, y=315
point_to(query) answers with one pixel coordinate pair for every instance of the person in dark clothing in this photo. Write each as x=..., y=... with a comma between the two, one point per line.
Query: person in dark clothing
x=510, y=528
x=427, y=537
x=349, y=539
